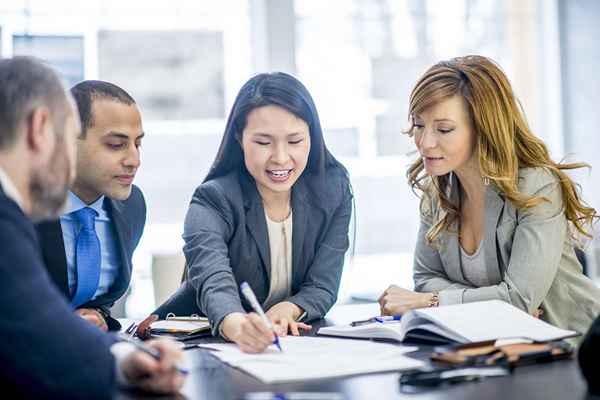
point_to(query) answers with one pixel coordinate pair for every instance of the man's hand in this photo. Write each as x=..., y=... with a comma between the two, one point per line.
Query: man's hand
x=157, y=376
x=143, y=329
x=396, y=300
x=284, y=316
x=93, y=316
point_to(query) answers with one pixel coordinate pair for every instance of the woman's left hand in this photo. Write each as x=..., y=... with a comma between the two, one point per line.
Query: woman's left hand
x=284, y=316
x=396, y=300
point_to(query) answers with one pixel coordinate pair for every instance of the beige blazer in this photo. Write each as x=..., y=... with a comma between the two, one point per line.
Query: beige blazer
x=529, y=256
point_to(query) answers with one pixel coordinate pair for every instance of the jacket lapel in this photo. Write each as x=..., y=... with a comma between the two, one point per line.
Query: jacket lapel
x=299, y=210
x=122, y=235
x=256, y=222
x=53, y=250
x=449, y=246
x=493, y=208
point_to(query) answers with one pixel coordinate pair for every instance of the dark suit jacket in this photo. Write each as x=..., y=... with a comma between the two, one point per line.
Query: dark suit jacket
x=226, y=243
x=128, y=219
x=46, y=351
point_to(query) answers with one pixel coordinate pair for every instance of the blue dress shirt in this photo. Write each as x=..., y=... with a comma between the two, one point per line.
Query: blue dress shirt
x=109, y=269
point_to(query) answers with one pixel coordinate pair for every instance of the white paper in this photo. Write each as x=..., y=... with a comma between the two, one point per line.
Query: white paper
x=184, y=326
x=307, y=357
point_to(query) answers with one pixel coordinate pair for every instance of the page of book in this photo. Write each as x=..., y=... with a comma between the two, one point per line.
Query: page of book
x=462, y=323
x=376, y=330
x=493, y=319
x=307, y=358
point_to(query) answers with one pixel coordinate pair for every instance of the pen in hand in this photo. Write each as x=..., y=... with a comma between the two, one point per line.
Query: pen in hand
x=151, y=351
x=249, y=294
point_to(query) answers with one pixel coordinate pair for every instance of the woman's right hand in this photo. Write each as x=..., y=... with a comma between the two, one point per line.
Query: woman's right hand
x=248, y=331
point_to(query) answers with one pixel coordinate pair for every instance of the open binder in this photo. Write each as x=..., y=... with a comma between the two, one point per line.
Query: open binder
x=178, y=327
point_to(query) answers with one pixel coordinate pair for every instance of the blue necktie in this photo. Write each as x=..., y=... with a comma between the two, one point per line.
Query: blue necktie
x=87, y=256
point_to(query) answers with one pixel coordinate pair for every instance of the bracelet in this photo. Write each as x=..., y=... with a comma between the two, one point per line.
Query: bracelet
x=434, y=301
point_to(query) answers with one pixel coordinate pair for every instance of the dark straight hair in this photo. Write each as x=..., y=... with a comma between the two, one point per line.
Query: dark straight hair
x=278, y=89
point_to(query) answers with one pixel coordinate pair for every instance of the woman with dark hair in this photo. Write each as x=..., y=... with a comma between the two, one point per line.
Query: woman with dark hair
x=273, y=211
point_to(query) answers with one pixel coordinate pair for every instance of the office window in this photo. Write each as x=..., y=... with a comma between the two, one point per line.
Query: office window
x=65, y=53
x=343, y=141
x=183, y=61
x=182, y=71
x=360, y=59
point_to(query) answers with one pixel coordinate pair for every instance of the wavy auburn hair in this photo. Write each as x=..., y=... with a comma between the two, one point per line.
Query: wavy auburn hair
x=504, y=142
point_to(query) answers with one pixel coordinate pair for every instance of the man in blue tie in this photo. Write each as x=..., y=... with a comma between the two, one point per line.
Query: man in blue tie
x=47, y=351
x=88, y=252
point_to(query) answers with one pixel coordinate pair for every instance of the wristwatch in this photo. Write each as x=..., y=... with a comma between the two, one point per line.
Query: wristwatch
x=103, y=313
x=434, y=301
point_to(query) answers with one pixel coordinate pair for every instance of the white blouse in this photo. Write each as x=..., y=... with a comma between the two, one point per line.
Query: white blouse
x=280, y=245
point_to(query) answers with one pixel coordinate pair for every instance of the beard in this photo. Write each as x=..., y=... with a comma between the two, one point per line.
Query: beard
x=49, y=186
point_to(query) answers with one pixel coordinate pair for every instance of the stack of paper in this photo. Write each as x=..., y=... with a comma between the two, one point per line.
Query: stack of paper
x=304, y=358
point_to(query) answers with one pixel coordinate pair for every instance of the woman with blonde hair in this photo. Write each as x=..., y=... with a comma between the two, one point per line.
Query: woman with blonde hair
x=499, y=218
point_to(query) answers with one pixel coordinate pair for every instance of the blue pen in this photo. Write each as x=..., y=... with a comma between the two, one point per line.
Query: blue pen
x=381, y=318
x=249, y=294
x=293, y=396
x=388, y=318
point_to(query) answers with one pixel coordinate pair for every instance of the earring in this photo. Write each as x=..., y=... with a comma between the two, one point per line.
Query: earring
x=486, y=181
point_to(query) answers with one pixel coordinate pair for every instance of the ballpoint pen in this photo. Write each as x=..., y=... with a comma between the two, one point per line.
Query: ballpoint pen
x=388, y=318
x=131, y=329
x=249, y=294
x=146, y=349
x=293, y=396
x=382, y=318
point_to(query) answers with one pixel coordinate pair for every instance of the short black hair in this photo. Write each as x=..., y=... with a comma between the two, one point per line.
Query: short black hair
x=25, y=84
x=86, y=92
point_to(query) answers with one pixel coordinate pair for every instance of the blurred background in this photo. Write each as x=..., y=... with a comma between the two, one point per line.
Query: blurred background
x=184, y=61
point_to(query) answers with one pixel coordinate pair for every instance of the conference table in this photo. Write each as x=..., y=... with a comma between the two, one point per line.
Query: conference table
x=209, y=378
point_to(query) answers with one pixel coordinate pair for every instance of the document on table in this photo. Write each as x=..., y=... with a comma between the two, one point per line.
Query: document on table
x=306, y=357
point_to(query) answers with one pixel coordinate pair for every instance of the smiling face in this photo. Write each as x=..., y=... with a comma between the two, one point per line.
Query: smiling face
x=276, y=145
x=108, y=156
x=445, y=137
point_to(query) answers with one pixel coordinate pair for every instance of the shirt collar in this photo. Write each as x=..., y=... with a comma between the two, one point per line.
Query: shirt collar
x=9, y=188
x=74, y=203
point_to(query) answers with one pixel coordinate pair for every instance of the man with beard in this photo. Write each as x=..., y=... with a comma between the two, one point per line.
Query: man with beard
x=47, y=351
x=108, y=157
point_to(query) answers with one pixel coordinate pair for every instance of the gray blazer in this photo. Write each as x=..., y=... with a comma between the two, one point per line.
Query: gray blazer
x=226, y=243
x=529, y=256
